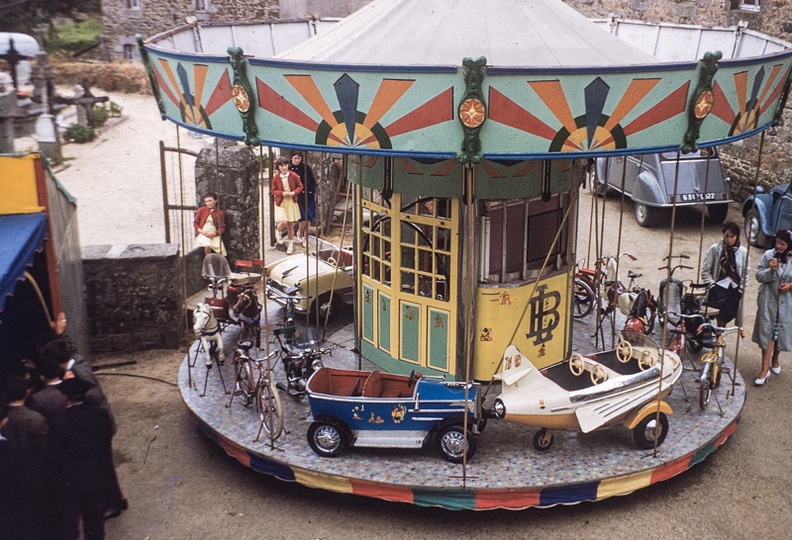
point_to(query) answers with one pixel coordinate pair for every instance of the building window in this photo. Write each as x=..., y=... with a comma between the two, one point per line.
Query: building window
x=133, y=4
x=746, y=5
x=130, y=52
x=202, y=5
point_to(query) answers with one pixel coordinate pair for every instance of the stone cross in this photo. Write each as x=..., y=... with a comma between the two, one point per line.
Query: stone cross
x=84, y=100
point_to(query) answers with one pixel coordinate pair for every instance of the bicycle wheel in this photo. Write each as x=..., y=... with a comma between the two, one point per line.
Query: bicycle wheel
x=583, y=299
x=270, y=409
x=245, y=381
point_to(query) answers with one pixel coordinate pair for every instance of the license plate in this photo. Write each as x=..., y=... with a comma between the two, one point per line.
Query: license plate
x=688, y=197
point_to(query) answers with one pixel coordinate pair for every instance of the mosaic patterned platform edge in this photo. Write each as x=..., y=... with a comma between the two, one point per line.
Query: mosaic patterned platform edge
x=459, y=497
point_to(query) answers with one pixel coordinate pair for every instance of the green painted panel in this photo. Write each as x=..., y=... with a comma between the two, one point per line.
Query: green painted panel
x=427, y=178
x=386, y=362
x=410, y=329
x=367, y=170
x=384, y=319
x=438, y=338
x=368, y=312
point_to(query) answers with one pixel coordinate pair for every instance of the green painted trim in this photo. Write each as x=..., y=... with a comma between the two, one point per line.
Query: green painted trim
x=438, y=338
x=239, y=66
x=707, y=68
x=384, y=307
x=368, y=312
x=155, y=89
x=410, y=330
x=474, y=72
x=392, y=365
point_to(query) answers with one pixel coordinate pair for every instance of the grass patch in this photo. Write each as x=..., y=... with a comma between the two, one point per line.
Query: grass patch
x=66, y=40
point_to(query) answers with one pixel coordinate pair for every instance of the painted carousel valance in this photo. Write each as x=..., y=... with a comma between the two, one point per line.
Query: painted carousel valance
x=532, y=107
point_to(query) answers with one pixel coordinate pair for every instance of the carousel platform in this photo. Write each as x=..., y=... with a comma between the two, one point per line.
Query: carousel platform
x=506, y=472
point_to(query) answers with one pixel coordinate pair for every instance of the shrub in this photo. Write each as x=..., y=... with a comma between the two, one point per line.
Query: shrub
x=100, y=114
x=79, y=133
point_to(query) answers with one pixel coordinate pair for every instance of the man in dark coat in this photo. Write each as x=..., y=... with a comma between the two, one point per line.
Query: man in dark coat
x=12, y=485
x=82, y=451
x=48, y=401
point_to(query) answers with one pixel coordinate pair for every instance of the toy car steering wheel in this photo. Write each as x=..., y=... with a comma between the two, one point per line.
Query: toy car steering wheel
x=598, y=374
x=624, y=351
x=332, y=261
x=576, y=364
x=646, y=360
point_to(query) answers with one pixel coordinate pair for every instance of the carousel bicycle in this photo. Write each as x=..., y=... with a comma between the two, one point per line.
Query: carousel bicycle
x=257, y=388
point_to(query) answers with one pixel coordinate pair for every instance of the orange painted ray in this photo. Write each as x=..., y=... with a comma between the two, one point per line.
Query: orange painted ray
x=220, y=96
x=769, y=83
x=552, y=94
x=306, y=87
x=388, y=93
x=199, y=80
x=527, y=168
x=172, y=79
x=637, y=90
x=165, y=87
x=271, y=101
x=776, y=92
x=435, y=111
x=670, y=106
x=741, y=86
x=505, y=111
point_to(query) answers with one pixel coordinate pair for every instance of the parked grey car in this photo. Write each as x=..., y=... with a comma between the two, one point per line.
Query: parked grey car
x=649, y=182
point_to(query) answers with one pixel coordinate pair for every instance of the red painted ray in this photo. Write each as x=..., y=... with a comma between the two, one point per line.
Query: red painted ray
x=165, y=87
x=637, y=90
x=772, y=97
x=445, y=168
x=504, y=111
x=769, y=83
x=437, y=110
x=370, y=162
x=271, y=101
x=491, y=171
x=220, y=96
x=409, y=167
x=669, y=107
x=527, y=169
x=721, y=107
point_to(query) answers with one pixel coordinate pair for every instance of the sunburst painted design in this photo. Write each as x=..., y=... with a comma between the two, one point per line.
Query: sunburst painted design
x=751, y=104
x=189, y=97
x=348, y=126
x=594, y=129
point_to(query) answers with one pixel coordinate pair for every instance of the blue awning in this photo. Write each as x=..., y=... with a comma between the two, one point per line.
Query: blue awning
x=23, y=235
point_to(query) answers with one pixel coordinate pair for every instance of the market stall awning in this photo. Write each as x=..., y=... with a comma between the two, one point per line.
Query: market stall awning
x=23, y=235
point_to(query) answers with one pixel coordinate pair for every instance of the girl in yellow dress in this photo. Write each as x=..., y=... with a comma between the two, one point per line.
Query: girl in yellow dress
x=209, y=226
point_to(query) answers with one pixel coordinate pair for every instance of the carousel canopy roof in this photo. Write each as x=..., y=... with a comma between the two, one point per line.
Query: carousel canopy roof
x=442, y=32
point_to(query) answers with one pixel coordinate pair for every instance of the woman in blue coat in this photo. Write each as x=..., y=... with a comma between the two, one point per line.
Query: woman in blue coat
x=773, y=324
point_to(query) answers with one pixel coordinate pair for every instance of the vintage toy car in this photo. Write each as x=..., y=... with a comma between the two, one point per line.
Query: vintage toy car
x=383, y=410
x=312, y=278
x=766, y=212
x=605, y=389
x=649, y=181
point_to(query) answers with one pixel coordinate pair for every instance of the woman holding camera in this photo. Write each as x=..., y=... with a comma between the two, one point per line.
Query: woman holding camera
x=773, y=324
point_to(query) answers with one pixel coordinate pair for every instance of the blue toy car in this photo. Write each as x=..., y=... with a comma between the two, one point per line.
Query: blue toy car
x=383, y=410
x=766, y=212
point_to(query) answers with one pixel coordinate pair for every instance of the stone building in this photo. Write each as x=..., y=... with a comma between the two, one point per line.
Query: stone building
x=122, y=19
x=771, y=17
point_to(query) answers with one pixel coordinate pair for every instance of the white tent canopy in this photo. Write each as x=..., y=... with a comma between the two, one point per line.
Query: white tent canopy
x=541, y=33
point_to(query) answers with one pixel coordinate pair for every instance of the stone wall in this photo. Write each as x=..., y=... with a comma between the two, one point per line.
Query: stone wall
x=235, y=178
x=774, y=18
x=156, y=16
x=134, y=297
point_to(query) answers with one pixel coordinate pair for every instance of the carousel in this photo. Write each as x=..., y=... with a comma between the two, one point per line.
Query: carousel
x=469, y=131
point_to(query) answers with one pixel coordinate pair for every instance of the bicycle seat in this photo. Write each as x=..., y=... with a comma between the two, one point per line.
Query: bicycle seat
x=633, y=275
x=245, y=344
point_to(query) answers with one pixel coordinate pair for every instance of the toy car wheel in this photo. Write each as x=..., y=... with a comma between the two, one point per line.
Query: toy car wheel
x=451, y=444
x=649, y=429
x=646, y=215
x=542, y=441
x=705, y=393
x=326, y=439
x=583, y=299
x=717, y=212
x=753, y=229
